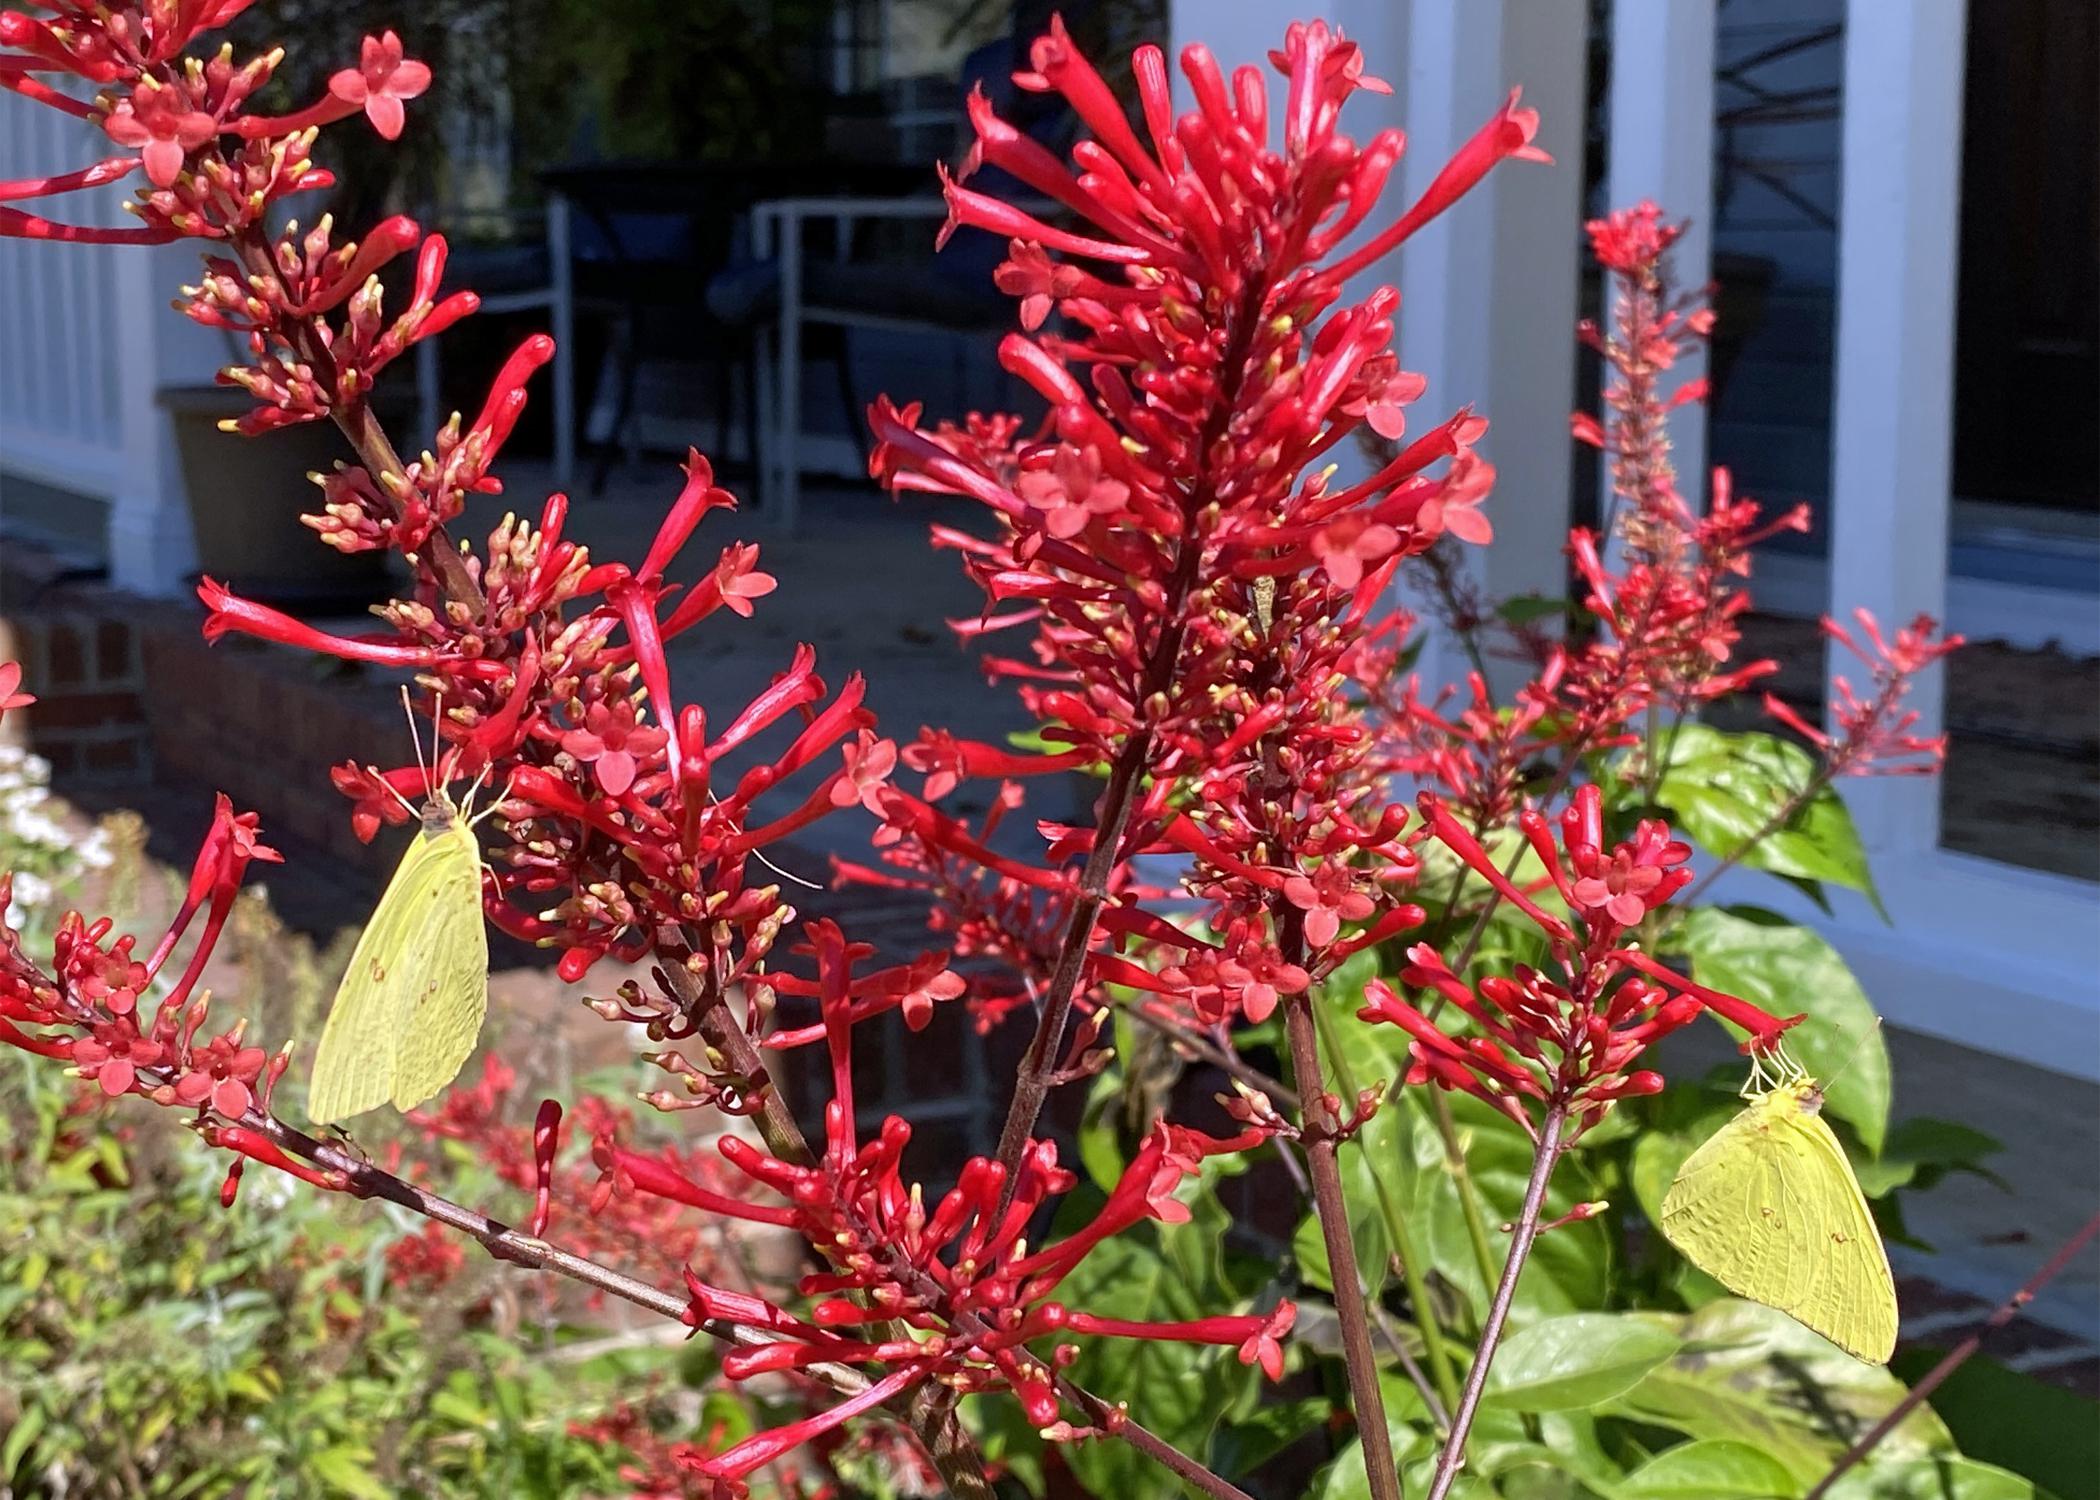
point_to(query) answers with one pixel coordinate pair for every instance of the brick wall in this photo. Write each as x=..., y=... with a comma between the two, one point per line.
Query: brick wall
x=86, y=669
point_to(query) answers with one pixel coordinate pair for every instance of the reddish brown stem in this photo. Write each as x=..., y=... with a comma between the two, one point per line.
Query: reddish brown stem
x=1453, y=1457
x=1039, y=1067
x=1956, y=1357
x=1322, y=1140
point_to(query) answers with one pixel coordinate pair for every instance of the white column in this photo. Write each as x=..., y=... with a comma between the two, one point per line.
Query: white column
x=151, y=548
x=1662, y=147
x=1489, y=289
x=1898, y=244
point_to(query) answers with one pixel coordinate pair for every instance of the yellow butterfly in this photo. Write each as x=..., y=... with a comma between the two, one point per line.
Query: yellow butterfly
x=411, y=1004
x=1769, y=1208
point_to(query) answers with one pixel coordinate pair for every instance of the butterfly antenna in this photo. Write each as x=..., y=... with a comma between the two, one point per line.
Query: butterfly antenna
x=415, y=737
x=466, y=806
x=1853, y=1056
x=808, y=885
x=413, y=810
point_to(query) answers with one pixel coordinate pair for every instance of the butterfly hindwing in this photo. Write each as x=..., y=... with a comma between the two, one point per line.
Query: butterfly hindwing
x=411, y=1004
x=1770, y=1209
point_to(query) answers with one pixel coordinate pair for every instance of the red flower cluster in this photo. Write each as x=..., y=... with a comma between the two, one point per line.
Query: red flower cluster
x=1569, y=1039
x=953, y=1293
x=1875, y=735
x=123, y=1023
x=1198, y=595
x=213, y=171
x=1191, y=590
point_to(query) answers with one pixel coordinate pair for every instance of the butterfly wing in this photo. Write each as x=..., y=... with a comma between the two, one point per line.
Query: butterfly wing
x=445, y=978
x=1769, y=1208
x=354, y=1065
x=1850, y=1295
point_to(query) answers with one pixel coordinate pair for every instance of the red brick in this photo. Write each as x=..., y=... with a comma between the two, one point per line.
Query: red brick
x=116, y=645
x=62, y=711
x=114, y=757
x=65, y=654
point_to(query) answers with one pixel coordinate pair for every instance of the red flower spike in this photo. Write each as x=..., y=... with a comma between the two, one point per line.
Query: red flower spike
x=1569, y=1039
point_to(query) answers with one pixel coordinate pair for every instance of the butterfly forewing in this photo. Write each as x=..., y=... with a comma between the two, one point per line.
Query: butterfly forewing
x=446, y=974
x=412, y=1002
x=1770, y=1209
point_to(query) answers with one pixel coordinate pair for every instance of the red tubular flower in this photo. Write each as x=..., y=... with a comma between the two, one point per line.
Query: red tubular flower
x=1874, y=735
x=1569, y=1040
x=231, y=614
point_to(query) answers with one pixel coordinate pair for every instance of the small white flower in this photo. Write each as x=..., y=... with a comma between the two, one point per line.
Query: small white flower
x=31, y=891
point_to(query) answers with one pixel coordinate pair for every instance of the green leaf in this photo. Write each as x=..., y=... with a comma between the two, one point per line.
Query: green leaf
x=1100, y=1152
x=1753, y=1375
x=348, y=1471
x=1920, y=1151
x=1947, y=1478
x=20, y=1440
x=1245, y=1444
x=1716, y=1469
x=1577, y=1361
x=1725, y=787
x=1789, y=970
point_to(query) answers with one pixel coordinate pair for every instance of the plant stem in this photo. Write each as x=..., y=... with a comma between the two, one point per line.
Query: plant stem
x=1039, y=1066
x=1332, y=1209
x=1468, y=1190
x=1915, y=1397
x=368, y=1180
x=1434, y=1349
x=1154, y=1447
x=1527, y=1229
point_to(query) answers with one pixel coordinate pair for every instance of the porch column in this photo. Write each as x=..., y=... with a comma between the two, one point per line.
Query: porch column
x=1662, y=147
x=1898, y=243
x=151, y=548
x=1488, y=290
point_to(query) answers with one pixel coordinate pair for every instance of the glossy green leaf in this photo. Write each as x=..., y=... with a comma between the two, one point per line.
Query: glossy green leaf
x=1724, y=788
x=1715, y=1469
x=1920, y=1151
x=1246, y=1443
x=1933, y=1479
x=1789, y=970
x=1577, y=1361
x=1753, y=1375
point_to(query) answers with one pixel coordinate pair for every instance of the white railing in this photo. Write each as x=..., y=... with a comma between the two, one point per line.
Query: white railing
x=60, y=419
x=87, y=342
